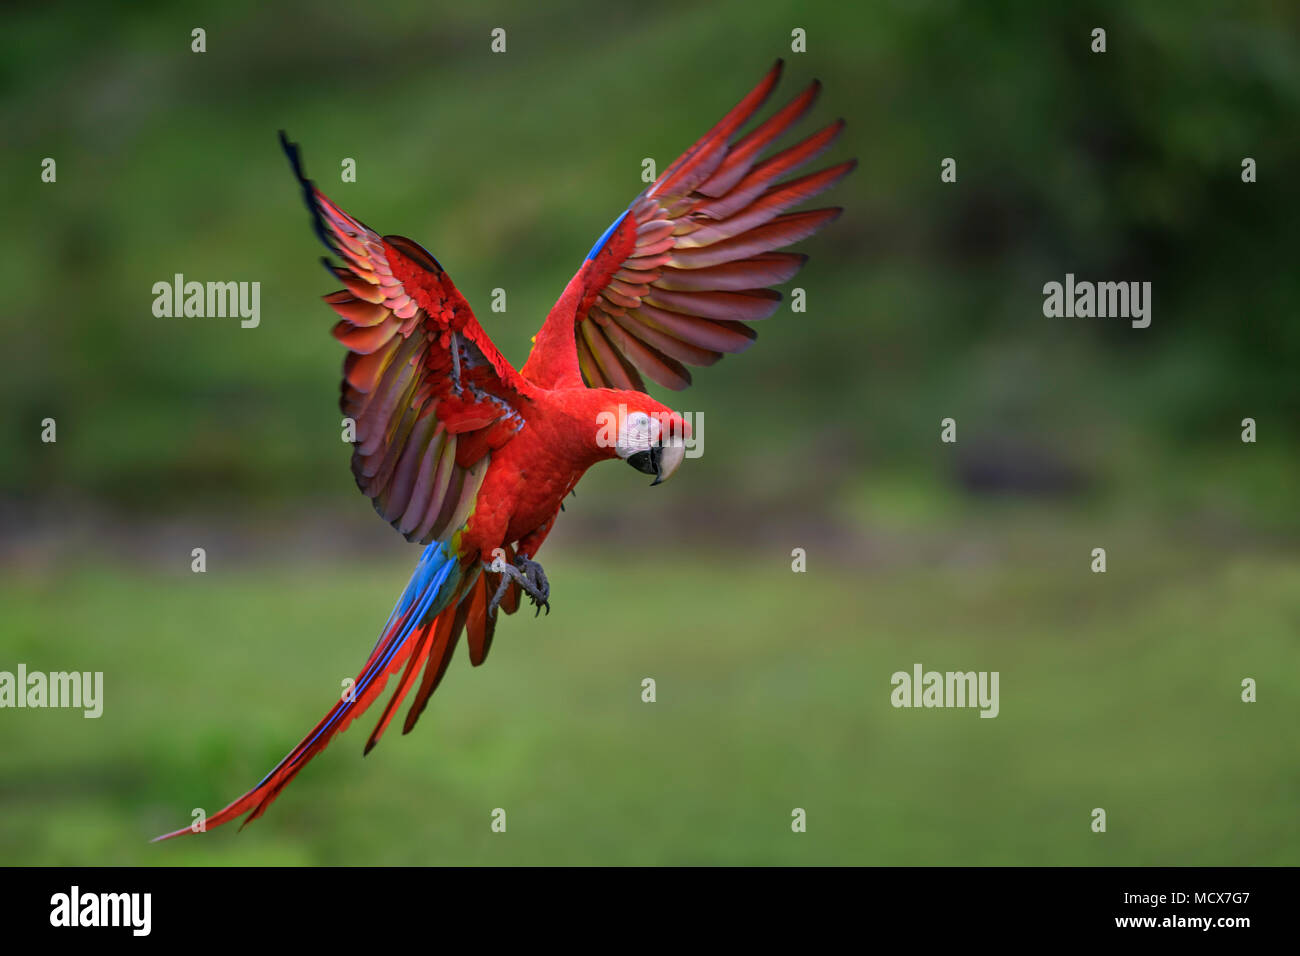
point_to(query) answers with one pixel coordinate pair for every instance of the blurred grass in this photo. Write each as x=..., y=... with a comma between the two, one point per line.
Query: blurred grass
x=1117, y=690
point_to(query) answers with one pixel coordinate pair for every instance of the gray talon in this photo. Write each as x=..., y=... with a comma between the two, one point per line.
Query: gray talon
x=531, y=578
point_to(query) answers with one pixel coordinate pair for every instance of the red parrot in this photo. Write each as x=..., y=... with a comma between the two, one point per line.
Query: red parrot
x=464, y=454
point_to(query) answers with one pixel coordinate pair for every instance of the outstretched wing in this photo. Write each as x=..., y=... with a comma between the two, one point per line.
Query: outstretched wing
x=429, y=393
x=678, y=275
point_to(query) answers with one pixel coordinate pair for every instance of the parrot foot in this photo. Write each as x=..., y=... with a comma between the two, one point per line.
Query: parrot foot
x=530, y=577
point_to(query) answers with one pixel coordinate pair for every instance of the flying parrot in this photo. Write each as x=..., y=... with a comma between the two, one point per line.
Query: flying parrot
x=472, y=458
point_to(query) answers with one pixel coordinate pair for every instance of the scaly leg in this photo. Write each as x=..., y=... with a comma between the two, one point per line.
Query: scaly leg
x=530, y=577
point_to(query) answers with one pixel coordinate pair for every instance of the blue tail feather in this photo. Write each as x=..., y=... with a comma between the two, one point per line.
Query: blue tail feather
x=432, y=584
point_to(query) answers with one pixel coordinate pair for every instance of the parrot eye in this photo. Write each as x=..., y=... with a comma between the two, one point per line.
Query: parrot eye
x=637, y=432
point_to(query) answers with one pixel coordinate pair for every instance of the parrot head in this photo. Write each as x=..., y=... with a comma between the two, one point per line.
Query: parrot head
x=649, y=436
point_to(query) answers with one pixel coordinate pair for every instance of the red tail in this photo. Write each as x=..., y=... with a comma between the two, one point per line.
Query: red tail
x=422, y=632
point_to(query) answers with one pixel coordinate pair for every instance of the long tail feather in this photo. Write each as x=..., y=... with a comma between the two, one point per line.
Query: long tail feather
x=440, y=650
x=405, y=639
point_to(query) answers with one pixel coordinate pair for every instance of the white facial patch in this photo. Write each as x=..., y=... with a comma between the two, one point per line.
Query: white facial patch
x=637, y=432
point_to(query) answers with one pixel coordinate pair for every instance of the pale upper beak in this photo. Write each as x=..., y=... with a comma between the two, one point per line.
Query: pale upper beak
x=660, y=461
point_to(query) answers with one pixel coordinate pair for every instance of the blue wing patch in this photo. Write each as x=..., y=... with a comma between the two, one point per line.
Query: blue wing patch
x=600, y=243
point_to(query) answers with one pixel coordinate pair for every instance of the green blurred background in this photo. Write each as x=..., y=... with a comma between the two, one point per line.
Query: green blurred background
x=1119, y=691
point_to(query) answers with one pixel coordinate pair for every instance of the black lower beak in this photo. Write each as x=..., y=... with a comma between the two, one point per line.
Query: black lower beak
x=648, y=462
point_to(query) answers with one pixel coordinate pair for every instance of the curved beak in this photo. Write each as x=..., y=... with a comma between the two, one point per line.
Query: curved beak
x=661, y=461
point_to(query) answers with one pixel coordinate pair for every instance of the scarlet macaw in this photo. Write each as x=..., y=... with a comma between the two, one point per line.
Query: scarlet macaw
x=464, y=454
